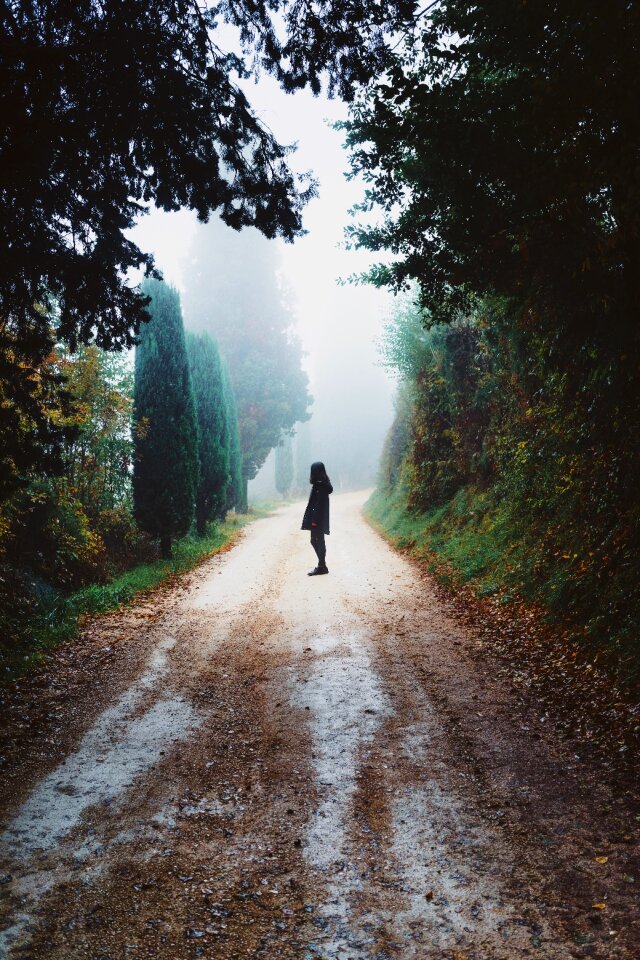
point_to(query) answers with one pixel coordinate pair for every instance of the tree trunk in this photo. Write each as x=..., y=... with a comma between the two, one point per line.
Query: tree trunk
x=165, y=546
x=201, y=517
x=243, y=506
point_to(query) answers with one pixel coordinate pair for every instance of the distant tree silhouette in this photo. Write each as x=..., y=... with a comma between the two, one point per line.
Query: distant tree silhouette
x=236, y=492
x=284, y=466
x=251, y=322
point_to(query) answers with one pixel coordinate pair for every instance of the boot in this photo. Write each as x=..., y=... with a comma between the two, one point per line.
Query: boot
x=317, y=571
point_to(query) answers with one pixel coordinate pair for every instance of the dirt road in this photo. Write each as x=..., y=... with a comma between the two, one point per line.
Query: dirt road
x=262, y=764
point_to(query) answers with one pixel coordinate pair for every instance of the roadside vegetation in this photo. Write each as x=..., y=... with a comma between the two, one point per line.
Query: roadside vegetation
x=498, y=478
x=500, y=150
x=145, y=478
x=498, y=143
x=55, y=617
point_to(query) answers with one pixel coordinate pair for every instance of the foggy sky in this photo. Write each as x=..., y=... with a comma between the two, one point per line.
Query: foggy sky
x=338, y=325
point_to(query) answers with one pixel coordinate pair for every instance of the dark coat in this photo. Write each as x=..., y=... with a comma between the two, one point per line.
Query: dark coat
x=318, y=507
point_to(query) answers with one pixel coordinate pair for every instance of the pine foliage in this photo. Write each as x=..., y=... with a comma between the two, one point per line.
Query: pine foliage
x=213, y=441
x=166, y=470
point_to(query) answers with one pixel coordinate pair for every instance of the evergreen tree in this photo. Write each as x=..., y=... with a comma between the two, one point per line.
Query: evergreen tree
x=236, y=491
x=284, y=466
x=165, y=473
x=213, y=428
x=500, y=146
x=253, y=326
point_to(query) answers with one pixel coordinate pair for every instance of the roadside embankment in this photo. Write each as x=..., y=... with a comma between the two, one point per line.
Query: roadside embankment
x=487, y=574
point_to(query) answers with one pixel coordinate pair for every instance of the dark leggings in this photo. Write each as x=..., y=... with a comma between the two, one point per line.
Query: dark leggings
x=318, y=544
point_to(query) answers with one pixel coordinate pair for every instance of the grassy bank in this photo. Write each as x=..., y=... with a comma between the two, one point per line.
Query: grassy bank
x=462, y=541
x=477, y=540
x=60, y=617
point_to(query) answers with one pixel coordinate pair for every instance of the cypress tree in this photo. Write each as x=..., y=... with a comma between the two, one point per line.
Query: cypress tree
x=165, y=474
x=284, y=466
x=253, y=327
x=213, y=426
x=236, y=491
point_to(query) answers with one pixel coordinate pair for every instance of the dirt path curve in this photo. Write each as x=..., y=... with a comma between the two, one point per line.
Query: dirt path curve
x=269, y=765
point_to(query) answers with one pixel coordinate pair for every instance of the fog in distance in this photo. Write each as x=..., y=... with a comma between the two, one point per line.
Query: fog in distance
x=338, y=324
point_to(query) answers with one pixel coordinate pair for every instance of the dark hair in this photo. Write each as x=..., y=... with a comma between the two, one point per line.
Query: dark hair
x=318, y=472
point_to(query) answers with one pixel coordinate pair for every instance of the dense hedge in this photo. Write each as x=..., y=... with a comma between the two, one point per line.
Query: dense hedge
x=503, y=471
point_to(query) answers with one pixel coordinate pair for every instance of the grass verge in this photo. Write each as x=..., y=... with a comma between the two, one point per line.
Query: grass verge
x=476, y=540
x=499, y=572
x=60, y=619
x=465, y=541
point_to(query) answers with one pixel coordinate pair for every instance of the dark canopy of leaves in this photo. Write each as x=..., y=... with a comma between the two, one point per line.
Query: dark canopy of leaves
x=108, y=107
x=504, y=145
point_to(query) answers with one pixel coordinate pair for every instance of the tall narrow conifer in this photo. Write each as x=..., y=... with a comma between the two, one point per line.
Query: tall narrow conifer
x=211, y=408
x=165, y=474
x=253, y=326
x=236, y=492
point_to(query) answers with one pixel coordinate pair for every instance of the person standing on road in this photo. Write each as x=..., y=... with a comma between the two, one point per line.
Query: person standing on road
x=316, y=516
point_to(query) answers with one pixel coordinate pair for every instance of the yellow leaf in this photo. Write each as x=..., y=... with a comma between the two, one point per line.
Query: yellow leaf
x=601, y=859
x=599, y=906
